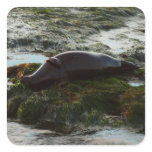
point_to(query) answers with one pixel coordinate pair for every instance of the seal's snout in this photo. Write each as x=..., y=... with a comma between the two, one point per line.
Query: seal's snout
x=128, y=65
x=22, y=79
x=25, y=80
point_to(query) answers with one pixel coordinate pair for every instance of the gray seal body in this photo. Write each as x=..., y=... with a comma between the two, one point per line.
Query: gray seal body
x=74, y=65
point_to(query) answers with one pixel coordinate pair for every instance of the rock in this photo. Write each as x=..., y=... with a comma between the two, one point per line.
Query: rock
x=13, y=105
x=59, y=127
x=9, y=58
x=23, y=51
x=140, y=55
x=123, y=55
x=141, y=131
x=142, y=30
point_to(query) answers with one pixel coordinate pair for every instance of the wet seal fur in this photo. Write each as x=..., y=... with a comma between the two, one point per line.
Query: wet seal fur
x=74, y=65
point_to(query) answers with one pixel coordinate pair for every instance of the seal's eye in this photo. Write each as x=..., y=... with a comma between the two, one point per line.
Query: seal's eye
x=48, y=61
x=56, y=62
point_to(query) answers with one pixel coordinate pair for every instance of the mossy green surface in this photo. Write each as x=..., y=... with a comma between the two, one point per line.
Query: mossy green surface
x=133, y=105
x=31, y=110
x=81, y=101
x=12, y=106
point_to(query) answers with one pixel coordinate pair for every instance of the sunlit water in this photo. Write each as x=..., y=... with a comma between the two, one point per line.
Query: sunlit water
x=136, y=83
x=26, y=134
x=122, y=39
x=19, y=58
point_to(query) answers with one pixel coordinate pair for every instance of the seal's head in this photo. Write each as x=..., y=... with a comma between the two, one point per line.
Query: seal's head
x=48, y=73
x=25, y=80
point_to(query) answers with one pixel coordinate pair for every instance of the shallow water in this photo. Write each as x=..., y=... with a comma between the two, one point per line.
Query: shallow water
x=122, y=39
x=26, y=134
x=19, y=58
x=136, y=83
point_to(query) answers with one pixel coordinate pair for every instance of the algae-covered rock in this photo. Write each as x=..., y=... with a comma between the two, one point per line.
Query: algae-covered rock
x=79, y=102
x=133, y=106
x=18, y=89
x=13, y=105
x=140, y=55
x=31, y=110
x=18, y=70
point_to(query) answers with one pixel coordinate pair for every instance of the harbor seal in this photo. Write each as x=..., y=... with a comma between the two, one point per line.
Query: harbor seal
x=74, y=65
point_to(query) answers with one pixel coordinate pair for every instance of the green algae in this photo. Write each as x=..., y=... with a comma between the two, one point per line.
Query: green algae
x=18, y=89
x=31, y=110
x=133, y=105
x=80, y=101
x=12, y=106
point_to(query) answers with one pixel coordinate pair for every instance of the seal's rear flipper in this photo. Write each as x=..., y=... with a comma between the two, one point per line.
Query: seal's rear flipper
x=128, y=65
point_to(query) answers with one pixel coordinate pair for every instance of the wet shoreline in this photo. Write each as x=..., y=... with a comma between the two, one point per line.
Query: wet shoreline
x=25, y=134
x=21, y=58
